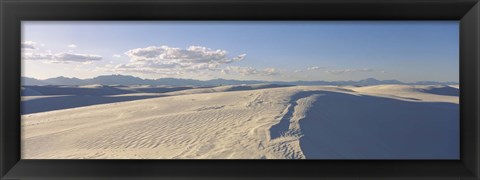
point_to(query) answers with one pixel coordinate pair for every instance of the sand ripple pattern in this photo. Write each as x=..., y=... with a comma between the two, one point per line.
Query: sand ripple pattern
x=274, y=123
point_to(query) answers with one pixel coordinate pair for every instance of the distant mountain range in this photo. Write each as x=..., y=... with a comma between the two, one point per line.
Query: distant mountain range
x=131, y=80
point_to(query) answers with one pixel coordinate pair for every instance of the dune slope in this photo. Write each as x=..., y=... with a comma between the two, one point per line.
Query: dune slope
x=313, y=122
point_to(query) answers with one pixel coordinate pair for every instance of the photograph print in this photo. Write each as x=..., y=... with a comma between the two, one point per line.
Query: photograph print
x=322, y=90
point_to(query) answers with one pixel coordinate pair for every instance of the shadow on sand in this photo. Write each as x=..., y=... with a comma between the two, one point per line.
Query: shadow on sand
x=445, y=91
x=65, y=102
x=345, y=126
x=100, y=90
x=279, y=129
x=56, y=97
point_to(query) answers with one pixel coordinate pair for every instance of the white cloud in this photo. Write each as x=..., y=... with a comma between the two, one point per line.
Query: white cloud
x=170, y=60
x=62, y=57
x=72, y=46
x=246, y=71
x=270, y=71
x=313, y=68
x=29, y=45
x=37, y=56
x=239, y=70
x=117, y=56
x=76, y=57
x=348, y=71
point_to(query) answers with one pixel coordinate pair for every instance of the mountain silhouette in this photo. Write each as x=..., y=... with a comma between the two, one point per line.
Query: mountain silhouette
x=132, y=80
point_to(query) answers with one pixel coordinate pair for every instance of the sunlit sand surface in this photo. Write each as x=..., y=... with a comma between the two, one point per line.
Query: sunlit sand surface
x=241, y=122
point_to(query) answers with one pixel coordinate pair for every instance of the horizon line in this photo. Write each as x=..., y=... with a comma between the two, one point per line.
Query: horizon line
x=247, y=80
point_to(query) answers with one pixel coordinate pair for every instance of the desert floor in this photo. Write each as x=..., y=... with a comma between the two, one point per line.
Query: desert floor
x=240, y=122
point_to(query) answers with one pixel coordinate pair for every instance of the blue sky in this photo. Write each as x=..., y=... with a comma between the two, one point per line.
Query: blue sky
x=284, y=50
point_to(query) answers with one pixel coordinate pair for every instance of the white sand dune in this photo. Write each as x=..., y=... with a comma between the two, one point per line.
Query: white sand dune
x=29, y=92
x=413, y=92
x=36, y=104
x=313, y=122
x=226, y=89
x=455, y=86
x=154, y=89
x=37, y=99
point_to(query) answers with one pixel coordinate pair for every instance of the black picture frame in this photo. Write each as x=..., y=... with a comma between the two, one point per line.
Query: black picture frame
x=12, y=12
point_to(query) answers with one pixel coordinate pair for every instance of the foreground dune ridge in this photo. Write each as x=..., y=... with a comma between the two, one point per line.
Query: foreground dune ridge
x=37, y=99
x=313, y=122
